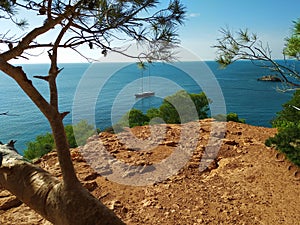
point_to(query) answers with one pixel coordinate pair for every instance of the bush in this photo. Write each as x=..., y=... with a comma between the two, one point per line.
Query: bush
x=45, y=143
x=153, y=113
x=229, y=117
x=235, y=118
x=133, y=118
x=182, y=101
x=201, y=102
x=70, y=136
x=287, y=140
x=191, y=106
x=288, y=113
x=41, y=146
x=82, y=130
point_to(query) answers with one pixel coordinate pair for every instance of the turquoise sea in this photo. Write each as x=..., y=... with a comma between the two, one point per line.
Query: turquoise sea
x=104, y=91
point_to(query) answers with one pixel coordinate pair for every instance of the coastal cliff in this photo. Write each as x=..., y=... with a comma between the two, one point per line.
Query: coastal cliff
x=246, y=183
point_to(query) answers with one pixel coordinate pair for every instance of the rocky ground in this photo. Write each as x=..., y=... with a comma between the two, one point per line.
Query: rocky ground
x=244, y=182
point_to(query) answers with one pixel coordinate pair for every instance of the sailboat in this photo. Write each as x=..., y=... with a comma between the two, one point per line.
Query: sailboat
x=144, y=94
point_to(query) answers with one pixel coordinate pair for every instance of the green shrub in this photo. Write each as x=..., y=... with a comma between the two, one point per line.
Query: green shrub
x=235, y=118
x=45, y=143
x=41, y=146
x=201, y=102
x=191, y=106
x=132, y=118
x=82, y=131
x=154, y=116
x=153, y=113
x=137, y=118
x=186, y=105
x=229, y=117
x=70, y=136
x=287, y=121
x=288, y=113
x=287, y=141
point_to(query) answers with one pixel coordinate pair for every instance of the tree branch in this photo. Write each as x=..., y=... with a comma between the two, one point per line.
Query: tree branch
x=246, y=46
x=28, y=39
x=54, y=71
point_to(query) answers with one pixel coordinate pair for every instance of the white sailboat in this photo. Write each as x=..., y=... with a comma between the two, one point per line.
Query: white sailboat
x=144, y=94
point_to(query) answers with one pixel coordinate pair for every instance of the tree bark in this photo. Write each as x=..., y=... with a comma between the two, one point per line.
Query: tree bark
x=63, y=202
x=50, y=197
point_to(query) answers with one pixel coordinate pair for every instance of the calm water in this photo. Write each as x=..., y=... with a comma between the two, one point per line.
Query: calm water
x=110, y=89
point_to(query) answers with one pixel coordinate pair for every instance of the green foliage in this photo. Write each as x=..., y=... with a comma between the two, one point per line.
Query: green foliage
x=41, y=146
x=292, y=45
x=229, y=117
x=288, y=113
x=184, y=107
x=6, y=5
x=201, y=103
x=70, y=136
x=154, y=116
x=133, y=118
x=153, y=113
x=9, y=8
x=82, y=131
x=287, y=140
x=167, y=110
x=235, y=118
x=137, y=118
x=243, y=45
x=181, y=107
x=45, y=143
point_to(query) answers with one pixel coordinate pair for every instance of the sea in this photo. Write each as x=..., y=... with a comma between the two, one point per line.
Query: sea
x=102, y=92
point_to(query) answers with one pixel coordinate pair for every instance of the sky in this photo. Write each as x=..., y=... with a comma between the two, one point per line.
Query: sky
x=270, y=20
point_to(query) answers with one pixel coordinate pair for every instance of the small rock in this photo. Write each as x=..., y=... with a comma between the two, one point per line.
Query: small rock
x=239, y=150
x=114, y=204
x=230, y=142
x=133, y=149
x=297, y=175
x=158, y=206
x=170, y=143
x=124, y=210
x=200, y=221
x=90, y=186
x=148, y=202
x=91, y=176
x=115, y=151
x=239, y=133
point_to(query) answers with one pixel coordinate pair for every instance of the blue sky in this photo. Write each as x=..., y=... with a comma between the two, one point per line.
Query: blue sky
x=271, y=20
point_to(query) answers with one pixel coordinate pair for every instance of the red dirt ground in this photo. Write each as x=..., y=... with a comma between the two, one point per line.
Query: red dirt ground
x=246, y=183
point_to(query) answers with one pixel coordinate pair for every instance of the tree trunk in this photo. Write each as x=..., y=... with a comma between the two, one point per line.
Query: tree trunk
x=63, y=202
x=63, y=150
x=50, y=197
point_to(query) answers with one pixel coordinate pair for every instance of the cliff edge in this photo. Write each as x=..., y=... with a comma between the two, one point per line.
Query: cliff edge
x=246, y=183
